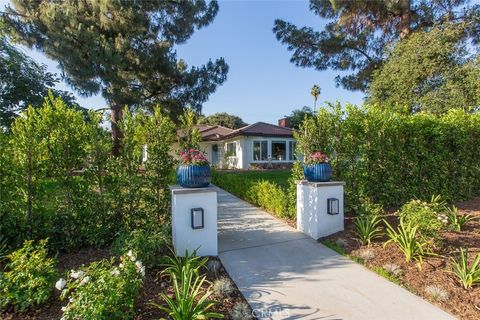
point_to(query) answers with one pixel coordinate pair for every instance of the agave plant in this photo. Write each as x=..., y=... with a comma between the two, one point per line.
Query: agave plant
x=189, y=301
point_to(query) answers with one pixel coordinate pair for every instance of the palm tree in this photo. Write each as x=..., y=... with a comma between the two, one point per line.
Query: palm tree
x=315, y=92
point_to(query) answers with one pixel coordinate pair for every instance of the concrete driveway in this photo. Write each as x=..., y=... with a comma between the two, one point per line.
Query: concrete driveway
x=284, y=274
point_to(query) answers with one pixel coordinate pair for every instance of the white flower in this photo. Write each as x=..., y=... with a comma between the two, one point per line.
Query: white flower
x=121, y=265
x=138, y=264
x=131, y=255
x=85, y=280
x=142, y=271
x=64, y=309
x=60, y=284
x=77, y=274
x=115, y=272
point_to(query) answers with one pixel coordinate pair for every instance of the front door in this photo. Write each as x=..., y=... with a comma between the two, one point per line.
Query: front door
x=215, y=154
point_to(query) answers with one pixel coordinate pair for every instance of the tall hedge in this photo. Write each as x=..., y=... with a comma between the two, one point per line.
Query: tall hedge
x=392, y=157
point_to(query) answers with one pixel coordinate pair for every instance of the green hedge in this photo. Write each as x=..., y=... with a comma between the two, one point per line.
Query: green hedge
x=392, y=158
x=269, y=190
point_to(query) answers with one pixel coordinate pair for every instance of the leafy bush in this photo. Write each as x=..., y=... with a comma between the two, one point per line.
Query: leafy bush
x=29, y=277
x=425, y=215
x=188, y=302
x=103, y=290
x=176, y=265
x=148, y=244
x=467, y=275
x=392, y=157
x=405, y=238
x=367, y=228
x=222, y=287
x=458, y=221
x=269, y=190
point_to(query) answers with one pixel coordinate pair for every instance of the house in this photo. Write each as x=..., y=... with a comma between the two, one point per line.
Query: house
x=259, y=145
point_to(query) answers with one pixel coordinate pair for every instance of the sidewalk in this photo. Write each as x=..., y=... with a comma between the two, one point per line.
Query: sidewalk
x=286, y=275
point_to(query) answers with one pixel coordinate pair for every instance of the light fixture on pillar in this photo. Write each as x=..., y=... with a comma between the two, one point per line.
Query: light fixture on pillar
x=333, y=206
x=197, y=218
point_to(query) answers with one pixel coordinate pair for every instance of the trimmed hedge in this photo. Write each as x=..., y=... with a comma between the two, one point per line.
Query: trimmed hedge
x=391, y=157
x=272, y=195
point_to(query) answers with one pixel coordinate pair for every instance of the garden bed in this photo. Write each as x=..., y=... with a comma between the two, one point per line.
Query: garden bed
x=436, y=271
x=154, y=284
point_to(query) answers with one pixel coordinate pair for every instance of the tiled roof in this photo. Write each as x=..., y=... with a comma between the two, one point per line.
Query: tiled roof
x=262, y=129
x=210, y=133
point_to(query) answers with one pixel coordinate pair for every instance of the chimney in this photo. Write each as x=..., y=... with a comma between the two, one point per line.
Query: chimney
x=284, y=122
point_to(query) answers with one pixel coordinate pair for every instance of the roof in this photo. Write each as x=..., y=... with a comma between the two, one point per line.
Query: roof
x=262, y=129
x=217, y=133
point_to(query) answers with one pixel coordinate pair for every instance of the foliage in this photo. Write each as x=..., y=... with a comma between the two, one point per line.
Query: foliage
x=468, y=275
x=189, y=137
x=193, y=157
x=436, y=293
x=458, y=221
x=429, y=71
x=391, y=157
x=357, y=33
x=424, y=215
x=23, y=82
x=223, y=119
x=176, y=265
x=123, y=50
x=297, y=116
x=29, y=277
x=241, y=311
x=147, y=244
x=222, y=287
x=315, y=92
x=269, y=190
x=58, y=179
x=405, y=238
x=368, y=228
x=316, y=157
x=103, y=290
x=334, y=246
x=188, y=302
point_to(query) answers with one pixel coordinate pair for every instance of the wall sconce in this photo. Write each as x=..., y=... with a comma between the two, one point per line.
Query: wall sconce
x=333, y=206
x=197, y=218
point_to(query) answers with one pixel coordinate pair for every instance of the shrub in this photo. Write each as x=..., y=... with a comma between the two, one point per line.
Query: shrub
x=392, y=157
x=241, y=311
x=457, y=221
x=467, y=275
x=405, y=238
x=188, y=302
x=29, y=277
x=436, y=293
x=148, y=244
x=103, y=290
x=176, y=265
x=367, y=228
x=425, y=215
x=222, y=287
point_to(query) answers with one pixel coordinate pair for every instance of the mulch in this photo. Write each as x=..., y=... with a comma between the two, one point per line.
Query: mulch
x=436, y=270
x=154, y=284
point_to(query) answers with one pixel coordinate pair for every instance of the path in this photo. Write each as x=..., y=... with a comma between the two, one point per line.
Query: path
x=286, y=275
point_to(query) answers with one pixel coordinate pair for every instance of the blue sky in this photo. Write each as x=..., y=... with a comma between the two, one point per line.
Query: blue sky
x=262, y=84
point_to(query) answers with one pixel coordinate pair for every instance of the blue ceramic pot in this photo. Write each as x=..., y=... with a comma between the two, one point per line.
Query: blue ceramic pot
x=319, y=172
x=194, y=176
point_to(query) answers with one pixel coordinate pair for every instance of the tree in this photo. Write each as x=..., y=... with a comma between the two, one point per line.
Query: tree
x=429, y=71
x=223, y=119
x=315, y=92
x=297, y=116
x=23, y=82
x=358, y=32
x=121, y=49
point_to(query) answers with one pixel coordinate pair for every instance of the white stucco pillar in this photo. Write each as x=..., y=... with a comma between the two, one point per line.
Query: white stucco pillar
x=188, y=232
x=313, y=217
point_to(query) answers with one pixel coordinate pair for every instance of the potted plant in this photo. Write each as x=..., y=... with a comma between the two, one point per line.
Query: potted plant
x=317, y=168
x=194, y=169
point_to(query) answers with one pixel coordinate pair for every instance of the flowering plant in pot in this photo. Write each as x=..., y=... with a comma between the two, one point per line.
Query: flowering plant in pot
x=194, y=169
x=317, y=168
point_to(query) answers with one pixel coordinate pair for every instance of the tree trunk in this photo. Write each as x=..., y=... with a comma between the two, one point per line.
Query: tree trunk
x=116, y=117
x=405, y=18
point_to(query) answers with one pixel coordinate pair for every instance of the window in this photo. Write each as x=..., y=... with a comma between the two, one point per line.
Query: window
x=291, y=150
x=279, y=150
x=232, y=149
x=260, y=150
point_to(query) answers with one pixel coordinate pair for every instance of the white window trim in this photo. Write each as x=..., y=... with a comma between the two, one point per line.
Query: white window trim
x=269, y=150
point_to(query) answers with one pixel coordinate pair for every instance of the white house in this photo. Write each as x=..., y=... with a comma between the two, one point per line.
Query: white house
x=259, y=145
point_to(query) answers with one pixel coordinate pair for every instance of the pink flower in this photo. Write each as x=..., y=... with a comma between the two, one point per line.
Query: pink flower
x=193, y=157
x=316, y=157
